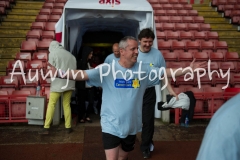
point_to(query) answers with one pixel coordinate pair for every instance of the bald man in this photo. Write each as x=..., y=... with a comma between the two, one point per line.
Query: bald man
x=115, y=55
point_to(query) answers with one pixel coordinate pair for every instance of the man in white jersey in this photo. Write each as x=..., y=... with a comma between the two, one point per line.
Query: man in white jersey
x=121, y=113
x=154, y=57
x=115, y=55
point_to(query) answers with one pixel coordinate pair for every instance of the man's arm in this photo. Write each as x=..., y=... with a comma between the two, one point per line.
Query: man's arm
x=169, y=88
x=77, y=75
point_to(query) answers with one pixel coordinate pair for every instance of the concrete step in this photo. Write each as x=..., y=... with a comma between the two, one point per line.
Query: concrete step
x=223, y=27
x=8, y=56
x=16, y=24
x=18, y=20
x=29, y=4
x=14, y=27
x=215, y=20
x=229, y=34
x=22, y=13
x=13, y=31
x=232, y=42
x=21, y=17
x=5, y=51
x=203, y=8
x=25, y=10
x=12, y=35
x=209, y=14
x=11, y=42
x=201, y=5
x=2, y=73
x=235, y=49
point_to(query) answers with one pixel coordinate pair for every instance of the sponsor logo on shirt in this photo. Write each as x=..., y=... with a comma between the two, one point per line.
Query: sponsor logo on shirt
x=151, y=64
x=122, y=83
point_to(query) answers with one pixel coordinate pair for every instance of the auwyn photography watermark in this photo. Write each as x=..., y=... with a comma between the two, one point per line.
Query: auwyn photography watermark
x=200, y=72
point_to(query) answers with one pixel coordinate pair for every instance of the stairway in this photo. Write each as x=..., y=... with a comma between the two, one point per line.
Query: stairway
x=227, y=32
x=14, y=28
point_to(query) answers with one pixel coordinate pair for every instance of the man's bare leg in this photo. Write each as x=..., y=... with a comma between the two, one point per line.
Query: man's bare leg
x=116, y=154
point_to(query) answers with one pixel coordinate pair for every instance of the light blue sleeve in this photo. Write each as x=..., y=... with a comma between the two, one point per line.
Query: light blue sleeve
x=94, y=77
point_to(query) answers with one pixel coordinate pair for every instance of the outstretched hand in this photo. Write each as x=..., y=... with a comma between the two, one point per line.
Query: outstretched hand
x=194, y=65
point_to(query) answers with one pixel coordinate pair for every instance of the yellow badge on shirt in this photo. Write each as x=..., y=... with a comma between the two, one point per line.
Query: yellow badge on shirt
x=135, y=83
x=151, y=64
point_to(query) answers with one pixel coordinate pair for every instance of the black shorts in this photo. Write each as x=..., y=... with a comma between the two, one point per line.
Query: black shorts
x=110, y=141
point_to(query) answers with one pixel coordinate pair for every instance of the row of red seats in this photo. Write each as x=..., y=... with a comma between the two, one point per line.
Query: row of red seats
x=19, y=83
x=5, y=4
x=172, y=6
x=27, y=56
x=171, y=12
x=34, y=45
x=54, y=5
x=48, y=11
x=224, y=2
x=193, y=46
x=222, y=8
x=224, y=66
x=40, y=35
x=179, y=19
x=168, y=1
x=183, y=26
x=182, y=35
x=205, y=81
x=201, y=56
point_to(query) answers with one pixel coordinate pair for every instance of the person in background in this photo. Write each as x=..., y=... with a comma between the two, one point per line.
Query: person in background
x=85, y=93
x=60, y=58
x=115, y=55
x=148, y=54
x=221, y=140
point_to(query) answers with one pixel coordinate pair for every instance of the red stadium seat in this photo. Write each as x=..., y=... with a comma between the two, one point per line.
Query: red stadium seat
x=224, y=66
x=54, y=18
x=167, y=27
x=158, y=26
x=43, y=45
x=180, y=27
x=153, y=1
x=163, y=2
x=205, y=27
x=164, y=45
x=178, y=6
x=24, y=56
x=198, y=19
x=9, y=82
x=48, y=5
x=235, y=79
x=50, y=1
x=232, y=2
x=187, y=19
x=178, y=46
x=185, y=56
x=221, y=46
x=56, y=11
x=43, y=56
x=175, y=19
x=61, y=1
x=214, y=66
x=216, y=56
x=170, y=35
x=38, y=26
x=199, y=36
x=163, y=19
x=28, y=81
x=173, y=1
x=192, y=13
x=45, y=11
x=58, y=5
x=161, y=35
x=187, y=6
x=231, y=56
x=201, y=56
x=193, y=27
x=207, y=46
x=34, y=34
x=185, y=36
x=50, y=26
x=213, y=36
x=215, y=105
x=172, y=56
x=41, y=18
x=171, y=13
x=192, y=46
x=156, y=6
x=160, y=12
x=48, y=35
x=183, y=1
x=182, y=12
x=167, y=6
x=28, y=46
x=34, y=65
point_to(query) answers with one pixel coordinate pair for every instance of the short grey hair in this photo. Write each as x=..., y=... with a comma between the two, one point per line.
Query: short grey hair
x=123, y=42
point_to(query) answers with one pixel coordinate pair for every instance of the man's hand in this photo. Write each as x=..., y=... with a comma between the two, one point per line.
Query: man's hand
x=174, y=94
x=194, y=65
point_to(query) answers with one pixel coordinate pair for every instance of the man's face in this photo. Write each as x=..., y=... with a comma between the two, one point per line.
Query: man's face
x=116, y=51
x=130, y=53
x=146, y=44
